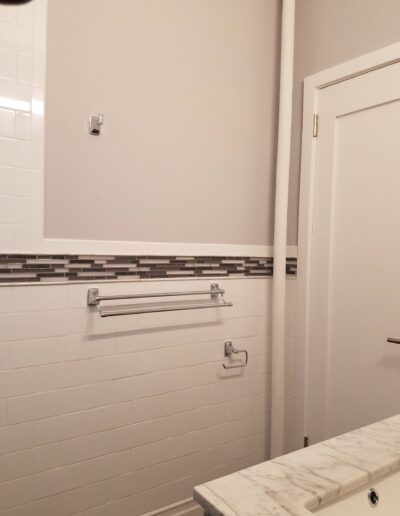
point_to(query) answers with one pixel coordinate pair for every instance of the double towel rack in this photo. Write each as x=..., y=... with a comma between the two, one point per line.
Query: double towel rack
x=216, y=301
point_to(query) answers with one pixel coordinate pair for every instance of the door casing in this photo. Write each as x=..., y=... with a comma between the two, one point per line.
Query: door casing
x=312, y=86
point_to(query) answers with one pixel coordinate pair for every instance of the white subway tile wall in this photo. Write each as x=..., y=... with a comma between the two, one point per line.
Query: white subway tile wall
x=22, y=77
x=127, y=414
x=290, y=364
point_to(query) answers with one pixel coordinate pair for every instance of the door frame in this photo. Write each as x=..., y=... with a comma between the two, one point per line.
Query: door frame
x=312, y=86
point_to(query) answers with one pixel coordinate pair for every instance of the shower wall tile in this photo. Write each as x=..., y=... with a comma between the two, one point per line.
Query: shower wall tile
x=134, y=413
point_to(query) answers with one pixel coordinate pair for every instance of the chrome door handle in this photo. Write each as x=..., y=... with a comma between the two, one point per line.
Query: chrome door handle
x=393, y=341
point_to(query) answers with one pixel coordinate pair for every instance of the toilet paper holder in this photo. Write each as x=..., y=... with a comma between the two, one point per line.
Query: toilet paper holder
x=230, y=350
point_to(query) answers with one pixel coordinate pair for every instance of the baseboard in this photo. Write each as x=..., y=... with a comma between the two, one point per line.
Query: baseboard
x=187, y=507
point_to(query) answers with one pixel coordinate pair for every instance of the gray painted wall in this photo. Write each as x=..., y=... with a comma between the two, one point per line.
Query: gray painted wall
x=329, y=32
x=188, y=89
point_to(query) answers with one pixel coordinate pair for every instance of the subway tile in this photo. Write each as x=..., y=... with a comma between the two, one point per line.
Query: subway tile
x=16, y=465
x=46, y=457
x=18, y=326
x=48, y=483
x=121, y=507
x=290, y=307
x=133, y=388
x=16, y=492
x=22, y=182
x=189, y=443
x=59, y=428
x=15, y=210
x=23, y=125
x=15, y=153
x=9, y=13
x=6, y=235
x=136, y=341
x=15, y=38
x=17, y=382
x=290, y=386
x=125, y=485
x=131, y=436
x=45, y=507
x=6, y=181
x=174, y=380
x=107, y=466
x=34, y=406
x=291, y=288
x=78, y=372
x=81, y=346
x=85, y=447
x=50, y=377
x=112, y=367
x=83, y=498
x=192, y=354
x=87, y=396
x=8, y=65
x=110, y=416
x=290, y=327
x=25, y=15
x=4, y=417
x=152, y=499
x=157, y=360
x=290, y=346
x=4, y=356
x=290, y=364
x=14, y=438
x=7, y=123
x=24, y=68
x=150, y=454
x=27, y=353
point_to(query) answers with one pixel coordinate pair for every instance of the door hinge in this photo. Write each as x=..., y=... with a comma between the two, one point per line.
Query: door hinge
x=315, y=125
x=306, y=441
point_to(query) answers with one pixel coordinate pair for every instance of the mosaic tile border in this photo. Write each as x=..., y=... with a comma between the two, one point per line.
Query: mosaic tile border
x=24, y=268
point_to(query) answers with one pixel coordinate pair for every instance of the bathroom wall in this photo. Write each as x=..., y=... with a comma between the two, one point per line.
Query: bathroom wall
x=122, y=415
x=125, y=415
x=328, y=33
x=189, y=96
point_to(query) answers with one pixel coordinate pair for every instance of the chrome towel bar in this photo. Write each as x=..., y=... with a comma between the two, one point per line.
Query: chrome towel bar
x=217, y=301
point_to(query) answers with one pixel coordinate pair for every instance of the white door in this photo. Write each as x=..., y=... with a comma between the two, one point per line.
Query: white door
x=355, y=266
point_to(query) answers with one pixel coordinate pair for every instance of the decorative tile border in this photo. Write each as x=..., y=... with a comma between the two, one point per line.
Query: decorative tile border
x=24, y=268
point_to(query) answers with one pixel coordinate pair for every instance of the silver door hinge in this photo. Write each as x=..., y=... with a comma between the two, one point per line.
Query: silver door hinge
x=315, y=125
x=306, y=441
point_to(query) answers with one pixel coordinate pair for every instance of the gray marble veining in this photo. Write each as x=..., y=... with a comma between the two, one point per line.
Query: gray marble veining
x=301, y=481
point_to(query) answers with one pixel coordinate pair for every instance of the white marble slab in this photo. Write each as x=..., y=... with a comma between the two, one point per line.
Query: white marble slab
x=303, y=480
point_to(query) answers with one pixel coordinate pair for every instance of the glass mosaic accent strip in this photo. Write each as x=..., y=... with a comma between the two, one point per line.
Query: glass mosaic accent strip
x=24, y=268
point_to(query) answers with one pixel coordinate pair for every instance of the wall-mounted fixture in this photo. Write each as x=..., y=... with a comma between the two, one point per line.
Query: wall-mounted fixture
x=95, y=123
x=216, y=301
x=230, y=350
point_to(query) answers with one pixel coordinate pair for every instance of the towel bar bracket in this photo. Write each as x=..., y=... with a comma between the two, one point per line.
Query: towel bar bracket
x=215, y=288
x=92, y=295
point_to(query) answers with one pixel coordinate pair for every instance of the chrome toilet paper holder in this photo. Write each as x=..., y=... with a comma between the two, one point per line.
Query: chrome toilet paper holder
x=230, y=350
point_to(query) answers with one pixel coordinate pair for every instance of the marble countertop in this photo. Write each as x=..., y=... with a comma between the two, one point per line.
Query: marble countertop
x=303, y=480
